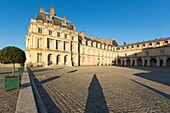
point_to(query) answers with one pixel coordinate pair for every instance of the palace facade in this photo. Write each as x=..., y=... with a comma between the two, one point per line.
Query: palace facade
x=53, y=41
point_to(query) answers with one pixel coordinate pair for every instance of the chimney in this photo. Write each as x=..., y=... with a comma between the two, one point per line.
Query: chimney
x=64, y=18
x=97, y=38
x=91, y=37
x=81, y=34
x=106, y=42
x=101, y=40
x=74, y=28
x=111, y=41
x=41, y=9
x=52, y=11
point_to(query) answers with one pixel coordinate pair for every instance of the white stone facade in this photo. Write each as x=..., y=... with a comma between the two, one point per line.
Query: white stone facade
x=53, y=41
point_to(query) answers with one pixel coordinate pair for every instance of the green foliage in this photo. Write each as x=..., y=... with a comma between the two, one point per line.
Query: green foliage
x=13, y=55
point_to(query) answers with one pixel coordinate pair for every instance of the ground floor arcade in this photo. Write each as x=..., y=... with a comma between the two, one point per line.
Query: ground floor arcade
x=144, y=61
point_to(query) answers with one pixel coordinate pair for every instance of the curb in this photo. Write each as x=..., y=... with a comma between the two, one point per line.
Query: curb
x=40, y=106
x=26, y=101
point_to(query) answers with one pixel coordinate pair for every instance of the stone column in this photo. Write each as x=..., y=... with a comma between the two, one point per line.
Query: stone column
x=135, y=59
x=148, y=61
x=131, y=61
x=158, y=61
x=164, y=61
x=54, y=44
x=45, y=43
x=61, y=45
x=121, y=61
x=125, y=61
x=143, y=61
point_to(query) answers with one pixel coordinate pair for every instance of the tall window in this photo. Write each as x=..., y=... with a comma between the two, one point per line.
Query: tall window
x=162, y=52
x=56, y=44
x=48, y=43
x=39, y=57
x=39, y=30
x=72, y=38
x=65, y=36
x=64, y=46
x=50, y=32
x=39, y=43
x=58, y=34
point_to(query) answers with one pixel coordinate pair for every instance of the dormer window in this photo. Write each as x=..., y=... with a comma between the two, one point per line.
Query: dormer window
x=132, y=46
x=64, y=22
x=143, y=44
x=86, y=43
x=118, y=48
x=137, y=45
x=158, y=43
x=166, y=41
x=150, y=44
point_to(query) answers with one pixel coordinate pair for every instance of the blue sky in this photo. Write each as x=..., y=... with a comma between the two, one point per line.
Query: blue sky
x=123, y=20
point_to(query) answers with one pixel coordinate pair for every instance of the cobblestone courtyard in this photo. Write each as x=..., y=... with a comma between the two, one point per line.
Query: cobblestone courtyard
x=104, y=89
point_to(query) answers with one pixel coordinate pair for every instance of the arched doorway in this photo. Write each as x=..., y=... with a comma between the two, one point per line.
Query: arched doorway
x=146, y=62
x=123, y=63
x=58, y=60
x=133, y=62
x=119, y=62
x=153, y=62
x=168, y=62
x=161, y=63
x=139, y=62
x=50, y=59
x=65, y=59
x=128, y=62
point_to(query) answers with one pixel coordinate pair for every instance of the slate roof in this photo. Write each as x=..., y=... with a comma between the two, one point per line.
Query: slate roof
x=55, y=20
x=149, y=41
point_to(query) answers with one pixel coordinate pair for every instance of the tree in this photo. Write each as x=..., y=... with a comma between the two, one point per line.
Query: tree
x=12, y=55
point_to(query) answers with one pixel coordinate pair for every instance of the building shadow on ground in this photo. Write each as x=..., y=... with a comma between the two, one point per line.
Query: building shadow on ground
x=157, y=74
x=49, y=104
x=96, y=102
x=72, y=71
x=152, y=89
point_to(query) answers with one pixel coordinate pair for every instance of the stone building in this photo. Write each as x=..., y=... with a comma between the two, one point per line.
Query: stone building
x=53, y=41
x=147, y=53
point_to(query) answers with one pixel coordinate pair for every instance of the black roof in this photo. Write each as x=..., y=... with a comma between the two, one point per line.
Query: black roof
x=149, y=41
x=55, y=20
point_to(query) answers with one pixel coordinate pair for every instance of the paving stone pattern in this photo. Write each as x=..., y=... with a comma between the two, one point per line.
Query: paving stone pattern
x=104, y=89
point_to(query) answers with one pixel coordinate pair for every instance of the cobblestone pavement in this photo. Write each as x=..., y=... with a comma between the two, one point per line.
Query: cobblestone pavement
x=8, y=101
x=104, y=89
